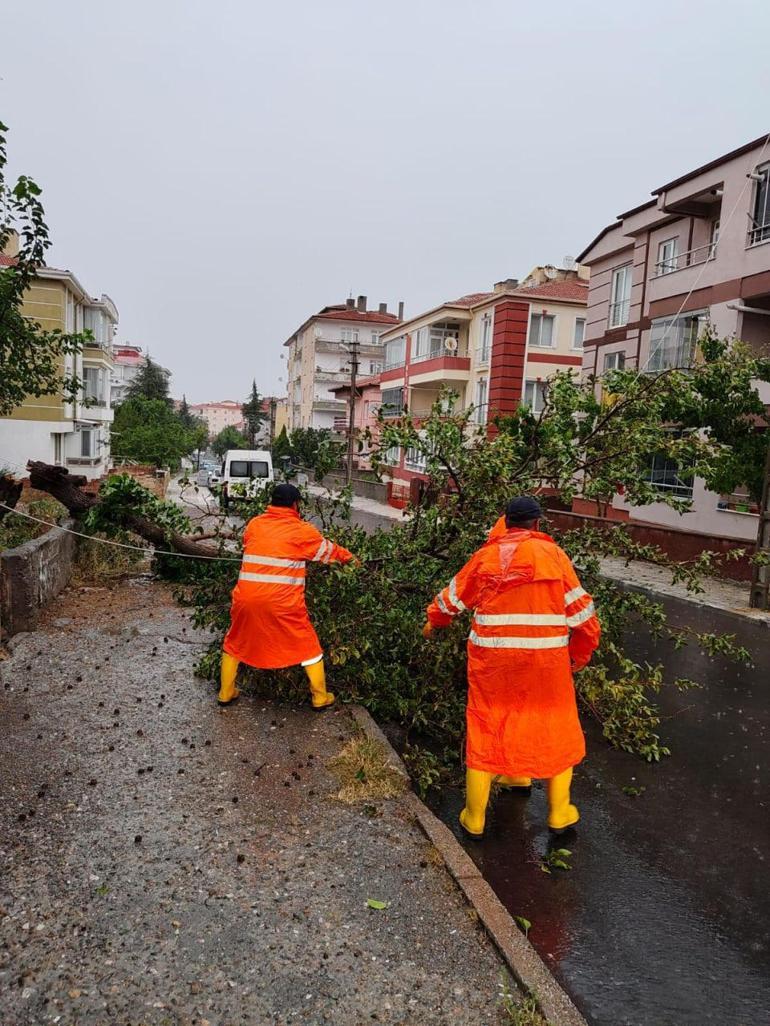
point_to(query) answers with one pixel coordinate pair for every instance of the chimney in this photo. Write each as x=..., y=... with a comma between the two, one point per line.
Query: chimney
x=507, y=285
x=362, y=304
x=383, y=307
x=350, y=303
x=401, y=310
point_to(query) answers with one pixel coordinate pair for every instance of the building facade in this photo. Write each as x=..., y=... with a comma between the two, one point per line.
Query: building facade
x=318, y=358
x=219, y=415
x=697, y=252
x=495, y=350
x=74, y=434
x=127, y=361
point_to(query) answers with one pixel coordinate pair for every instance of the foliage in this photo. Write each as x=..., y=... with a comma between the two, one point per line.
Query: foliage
x=281, y=447
x=364, y=771
x=15, y=530
x=151, y=382
x=254, y=414
x=33, y=359
x=316, y=450
x=229, y=438
x=520, y=1010
x=151, y=431
x=97, y=563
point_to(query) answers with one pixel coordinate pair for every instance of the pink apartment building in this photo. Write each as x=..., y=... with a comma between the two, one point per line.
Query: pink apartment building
x=698, y=251
x=226, y=413
x=494, y=349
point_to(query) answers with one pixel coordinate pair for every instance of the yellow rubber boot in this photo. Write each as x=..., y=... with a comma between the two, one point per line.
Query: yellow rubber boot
x=228, y=671
x=514, y=782
x=473, y=816
x=561, y=814
x=319, y=696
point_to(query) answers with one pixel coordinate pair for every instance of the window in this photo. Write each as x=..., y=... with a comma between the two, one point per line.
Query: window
x=434, y=341
x=87, y=443
x=668, y=253
x=760, y=220
x=614, y=361
x=673, y=342
x=248, y=468
x=392, y=402
x=665, y=475
x=92, y=390
x=714, y=239
x=349, y=334
x=375, y=366
x=58, y=450
x=534, y=395
x=480, y=411
x=541, y=331
x=375, y=338
x=395, y=352
x=580, y=330
x=485, y=340
x=620, y=296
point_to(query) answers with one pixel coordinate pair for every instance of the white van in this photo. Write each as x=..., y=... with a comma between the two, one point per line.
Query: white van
x=244, y=472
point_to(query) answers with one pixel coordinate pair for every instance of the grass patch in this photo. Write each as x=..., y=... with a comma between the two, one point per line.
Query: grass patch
x=520, y=1010
x=97, y=563
x=365, y=773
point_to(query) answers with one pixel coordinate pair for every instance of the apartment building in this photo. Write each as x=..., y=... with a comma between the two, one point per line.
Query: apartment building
x=219, y=415
x=72, y=434
x=698, y=251
x=127, y=361
x=495, y=349
x=319, y=357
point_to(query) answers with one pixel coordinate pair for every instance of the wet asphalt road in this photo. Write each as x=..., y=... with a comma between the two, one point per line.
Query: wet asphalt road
x=664, y=918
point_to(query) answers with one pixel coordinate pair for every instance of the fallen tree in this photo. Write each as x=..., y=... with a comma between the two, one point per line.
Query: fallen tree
x=10, y=493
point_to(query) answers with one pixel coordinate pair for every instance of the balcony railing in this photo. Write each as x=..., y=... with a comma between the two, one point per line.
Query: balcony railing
x=758, y=233
x=691, y=258
x=437, y=352
x=329, y=405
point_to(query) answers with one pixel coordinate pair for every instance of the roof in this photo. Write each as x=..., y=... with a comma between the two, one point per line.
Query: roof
x=568, y=289
x=343, y=313
x=472, y=299
x=7, y=261
x=746, y=148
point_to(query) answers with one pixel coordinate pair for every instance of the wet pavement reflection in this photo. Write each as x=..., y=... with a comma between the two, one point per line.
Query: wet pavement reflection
x=664, y=917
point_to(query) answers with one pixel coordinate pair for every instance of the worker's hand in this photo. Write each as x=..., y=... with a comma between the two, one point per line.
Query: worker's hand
x=427, y=629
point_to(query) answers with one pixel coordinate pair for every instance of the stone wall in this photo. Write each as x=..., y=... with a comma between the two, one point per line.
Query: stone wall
x=31, y=576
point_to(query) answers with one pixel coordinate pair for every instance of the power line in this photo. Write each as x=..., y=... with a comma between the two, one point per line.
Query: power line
x=115, y=544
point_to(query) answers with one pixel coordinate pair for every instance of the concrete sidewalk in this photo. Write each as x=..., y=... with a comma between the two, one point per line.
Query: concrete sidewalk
x=167, y=863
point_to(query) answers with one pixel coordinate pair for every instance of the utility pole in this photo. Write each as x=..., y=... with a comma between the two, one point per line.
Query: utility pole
x=760, y=575
x=354, y=352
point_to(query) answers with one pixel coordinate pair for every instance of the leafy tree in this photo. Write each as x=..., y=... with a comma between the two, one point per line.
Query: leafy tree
x=229, y=438
x=316, y=450
x=32, y=359
x=150, y=383
x=196, y=426
x=254, y=414
x=184, y=413
x=151, y=431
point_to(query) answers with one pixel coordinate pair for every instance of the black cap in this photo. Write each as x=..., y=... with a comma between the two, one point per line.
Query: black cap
x=285, y=495
x=522, y=509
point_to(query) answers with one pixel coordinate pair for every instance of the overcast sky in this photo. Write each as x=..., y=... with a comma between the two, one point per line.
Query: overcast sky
x=225, y=169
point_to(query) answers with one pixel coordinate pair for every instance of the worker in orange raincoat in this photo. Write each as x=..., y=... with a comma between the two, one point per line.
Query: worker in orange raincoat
x=533, y=625
x=270, y=627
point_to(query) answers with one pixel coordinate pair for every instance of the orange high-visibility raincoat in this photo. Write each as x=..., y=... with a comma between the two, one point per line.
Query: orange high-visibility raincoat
x=270, y=627
x=521, y=716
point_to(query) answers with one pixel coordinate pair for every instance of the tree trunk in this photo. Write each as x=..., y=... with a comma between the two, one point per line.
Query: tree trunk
x=66, y=488
x=10, y=493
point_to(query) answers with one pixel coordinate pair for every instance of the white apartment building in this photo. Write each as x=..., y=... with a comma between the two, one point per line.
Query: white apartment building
x=319, y=357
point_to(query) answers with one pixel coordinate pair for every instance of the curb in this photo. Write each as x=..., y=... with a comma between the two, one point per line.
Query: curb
x=524, y=963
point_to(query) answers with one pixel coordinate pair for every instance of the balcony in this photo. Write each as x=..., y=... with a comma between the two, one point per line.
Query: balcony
x=341, y=377
x=691, y=258
x=329, y=405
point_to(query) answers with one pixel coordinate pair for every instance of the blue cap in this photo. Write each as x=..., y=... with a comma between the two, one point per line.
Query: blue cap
x=521, y=509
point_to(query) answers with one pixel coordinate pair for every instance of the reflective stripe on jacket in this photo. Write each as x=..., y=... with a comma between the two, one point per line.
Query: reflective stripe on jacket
x=270, y=627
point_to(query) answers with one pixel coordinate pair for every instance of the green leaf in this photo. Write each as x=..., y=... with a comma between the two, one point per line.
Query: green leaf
x=379, y=905
x=524, y=924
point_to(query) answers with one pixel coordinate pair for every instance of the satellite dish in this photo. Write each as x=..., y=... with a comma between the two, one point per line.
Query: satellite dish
x=569, y=263
x=550, y=271
x=450, y=344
